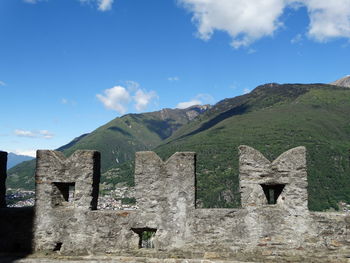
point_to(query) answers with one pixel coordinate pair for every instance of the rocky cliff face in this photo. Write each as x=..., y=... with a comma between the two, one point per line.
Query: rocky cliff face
x=193, y=111
x=343, y=82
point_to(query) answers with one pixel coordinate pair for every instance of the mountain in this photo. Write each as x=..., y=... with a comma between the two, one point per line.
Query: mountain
x=343, y=82
x=72, y=143
x=14, y=159
x=118, y=140
x=272, y=118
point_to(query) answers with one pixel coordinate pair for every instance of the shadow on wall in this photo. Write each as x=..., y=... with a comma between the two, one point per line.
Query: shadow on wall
x=16, y=224
x=274, y=205
x=16, y=233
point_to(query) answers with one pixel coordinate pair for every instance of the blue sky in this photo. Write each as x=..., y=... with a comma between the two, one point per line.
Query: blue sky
x=69, y=66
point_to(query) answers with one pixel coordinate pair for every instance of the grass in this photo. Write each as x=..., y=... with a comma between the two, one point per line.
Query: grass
x=272, y=119
x=316, y=118
x=117, y=141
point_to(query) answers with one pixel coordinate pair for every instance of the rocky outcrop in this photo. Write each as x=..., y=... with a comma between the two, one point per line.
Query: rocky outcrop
x=193, y=111
x=343, y=82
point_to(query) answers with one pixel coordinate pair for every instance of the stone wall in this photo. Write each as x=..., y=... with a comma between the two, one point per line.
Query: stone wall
x=66, y=189
x=273, y=223
x=274, y=220
x=165, y=194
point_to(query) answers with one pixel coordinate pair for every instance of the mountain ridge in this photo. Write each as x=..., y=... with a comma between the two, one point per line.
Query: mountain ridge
x=272, y=118
x=118, y=140
x=14, y=159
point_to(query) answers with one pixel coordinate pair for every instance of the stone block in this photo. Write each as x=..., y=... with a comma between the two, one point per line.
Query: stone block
x=282, y=182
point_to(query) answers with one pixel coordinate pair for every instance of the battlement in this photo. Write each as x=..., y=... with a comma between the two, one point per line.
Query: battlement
x=273, y=219
x=282, y=182
x=165, y=183
x=71, y=182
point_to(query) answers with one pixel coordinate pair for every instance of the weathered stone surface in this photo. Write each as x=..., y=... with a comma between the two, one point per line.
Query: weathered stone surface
x=110, y=259
x=273, y=225
x=165, y=195
x=3, y=175
x=288, y=170
x=66, y=189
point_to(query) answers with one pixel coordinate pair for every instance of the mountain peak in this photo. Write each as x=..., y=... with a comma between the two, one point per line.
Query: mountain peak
x=343, y=82
x=191, y=112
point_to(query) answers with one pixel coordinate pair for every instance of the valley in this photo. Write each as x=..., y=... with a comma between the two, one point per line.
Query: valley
x=272, y=118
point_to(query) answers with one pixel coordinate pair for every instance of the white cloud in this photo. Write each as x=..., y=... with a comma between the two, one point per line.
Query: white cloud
x=2, y=83
x=132, y=85
x=34, y=134
x=46, y=134
x=247, y=21
x=175, y=78
x=186, y=104
x=23, y=133
x=30, y=1
x=33, y=1
x=200, y=99
x=116, y=99
x=297, y=39
x=143, y=98
x=119, y=98
x=328, y=19
x=205, y=98
x=102, y=5
x=251, y=51
x=105, y=5
x=246, y=91
x=67, y=101
x=27, y=152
